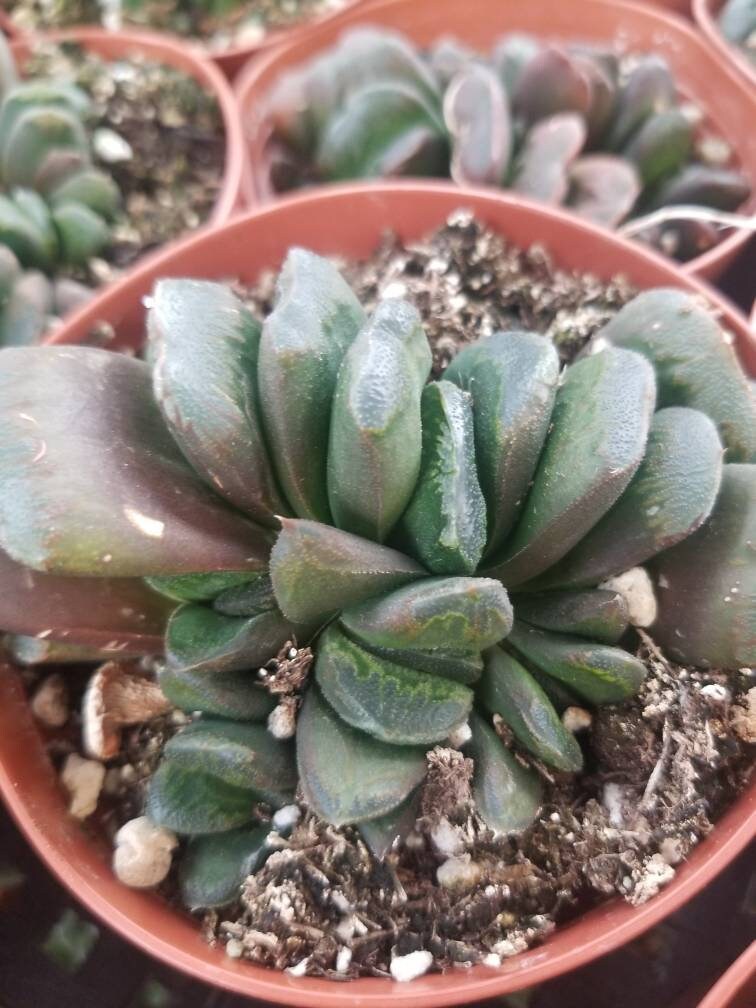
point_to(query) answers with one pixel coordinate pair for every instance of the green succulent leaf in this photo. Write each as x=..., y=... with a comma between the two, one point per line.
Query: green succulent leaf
x=375, y=439
x=670, y=496
x=649, y=89
x=603, y=188
x=511, y=54
x=91, y=188
x=317, y=570
x=477, y=116
x=81, y=232
x=368, y=55
x=381, y=833
x=31, y=94
x=661, y=146
x=595, y=613
x=233, y=695
x=737, y=19
x=35, y=131
x=249, y=599
x=76, y=419
x=551, y=82
x=34, y=244
x=347, y=776
x=542, y=165
x=507, y=795
x=201, y=587
x=445, y=613
x=25, y=314
x=447, y=57
x=509, y=690
x=599, y=428
x=694, y=362
x=204, y=343
x=189, y=801
x=240, y=755
x=721, y=188
x=600, y=70
x=393, y=703
x=707, y=583
x=214, y=867
x=512, y=377
x=598, y=673
x=315, y=320
x=445, y=522
x=462, y=666
x=199, y=639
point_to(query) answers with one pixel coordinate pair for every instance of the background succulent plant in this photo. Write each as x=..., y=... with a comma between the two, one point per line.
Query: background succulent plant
x=55, y=206
x=446, y=547
x=566, y=124
x=737, y=19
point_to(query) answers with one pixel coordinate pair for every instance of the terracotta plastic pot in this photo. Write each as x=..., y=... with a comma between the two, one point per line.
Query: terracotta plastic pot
x=727, y=102
x=349, y=221
x=171, y=52
x=706, y=13
x=737, y=987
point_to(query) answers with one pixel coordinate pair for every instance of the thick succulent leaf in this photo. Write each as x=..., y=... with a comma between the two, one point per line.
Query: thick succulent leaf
x=596, y=613
x=476, y=113
x=92, y=482
x=375, y=440
x=511, y=54
x=649, y=89
x=452, y=614
x=81, y=232
x=670, y=496
x=249, y=599
x=721, y=188
x=445, y=522
x=661, y=146
x=599, y=429
x=26, y=313
x=233, y=695
x=204, y=346
x=38, y=651
x=462, y=666
x=551, y=82
x=317, y=570
x=188, y=800
x=603, y=188
x=241, y=755
x=447, y=57
x=92, y=188
x=550, y=147
x=33, y=245
x=10, y=272
x=201, y=587
x=381, y=833
x=34, y=132
x=347, y=776
x=707, y=584
x=512, y=377
x=694, y=361
x=509, y=690
x=560, y=696
x=391, y=702
x=603, y=85
x=507, y=795
x=214, y=867
x=597, y=672
x=31, y=94
x=369, y=54
x=113, y=613
x=304, y=339
x=737, y=19
x=363, y=135
x=199, y=639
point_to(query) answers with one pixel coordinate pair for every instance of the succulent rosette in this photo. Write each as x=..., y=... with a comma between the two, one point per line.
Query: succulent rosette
x=445, y=547
x=575, y=124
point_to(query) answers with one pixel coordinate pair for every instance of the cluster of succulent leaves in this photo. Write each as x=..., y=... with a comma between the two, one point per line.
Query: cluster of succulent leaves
x=568, y=125
x=441, y=545
x=55, y=206
x=737, y=20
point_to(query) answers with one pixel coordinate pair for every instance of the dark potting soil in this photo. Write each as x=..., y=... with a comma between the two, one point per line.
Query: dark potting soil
x=158, y=133
x=659, y=769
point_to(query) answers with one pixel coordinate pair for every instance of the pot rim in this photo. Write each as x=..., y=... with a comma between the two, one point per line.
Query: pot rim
x=733, y=981
x=73, y=857
x=738, y=65
x=169, y=50
x=253, y=83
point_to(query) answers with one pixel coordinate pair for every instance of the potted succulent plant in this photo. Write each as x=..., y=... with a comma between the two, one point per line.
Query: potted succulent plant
x=512, y=95
x=228, y=32
x=80, y=202
x=730, y=28
x=359, y=743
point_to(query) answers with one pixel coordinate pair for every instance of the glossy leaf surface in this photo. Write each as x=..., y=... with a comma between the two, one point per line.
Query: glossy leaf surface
x=199, y=639
x=476, y=112
x=507, y=795
x=550, y=147
x=234, y=695
x=595, y=613
x=214, y=867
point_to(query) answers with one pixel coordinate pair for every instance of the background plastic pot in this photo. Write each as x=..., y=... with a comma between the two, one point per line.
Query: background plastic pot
x=349, y=220
x=171, y=52
x=706, y=13
x=727, y=102
x=737, y=987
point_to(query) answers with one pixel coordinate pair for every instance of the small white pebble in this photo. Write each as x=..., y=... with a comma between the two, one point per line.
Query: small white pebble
x=460, y=735
x=83, y=779
x=555, y=817
x=636, y=588
x=458, y=873
x=671, y=849
x=286, y=818
x=234, y=948
x=143, y=853
x=577, y=719
x=612, y=802
x=282, y=721
x=111, y=147
x=343, y=959
x=719, y=694
x=292, y=653
x=409, y=967
x=492, y=959
x=50, y=702
x=447, y=838
x=299, y=969
x=509, y=947
x=396, y=289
